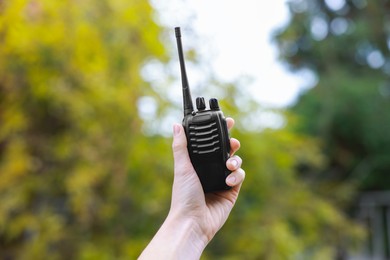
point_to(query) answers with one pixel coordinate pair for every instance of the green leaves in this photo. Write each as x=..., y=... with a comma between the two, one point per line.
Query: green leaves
x=69, y=81
x=79, y=178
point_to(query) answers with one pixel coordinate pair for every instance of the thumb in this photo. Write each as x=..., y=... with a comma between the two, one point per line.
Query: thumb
x=180, y=152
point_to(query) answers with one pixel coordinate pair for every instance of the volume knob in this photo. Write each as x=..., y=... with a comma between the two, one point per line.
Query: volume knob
x=214, y=104
x=200, y=104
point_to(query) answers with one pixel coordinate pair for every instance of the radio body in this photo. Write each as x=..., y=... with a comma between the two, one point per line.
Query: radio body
x=207, y=135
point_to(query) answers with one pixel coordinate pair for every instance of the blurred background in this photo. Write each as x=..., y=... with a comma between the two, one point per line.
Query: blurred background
x=89, y=91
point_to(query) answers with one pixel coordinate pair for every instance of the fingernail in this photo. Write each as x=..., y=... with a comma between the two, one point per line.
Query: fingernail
x=234, y=163
x=231, y=179
x=176, y=129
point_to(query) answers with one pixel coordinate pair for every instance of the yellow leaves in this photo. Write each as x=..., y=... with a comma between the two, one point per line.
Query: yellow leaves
x=75, y=164
x=12, y=200
x=44, y=231
x=89, y=53
x=12, y=119
x=24, y=34
x=279, y=234
x=95, y=252
x=69, y=128
x=81, y=185
x=14, y=165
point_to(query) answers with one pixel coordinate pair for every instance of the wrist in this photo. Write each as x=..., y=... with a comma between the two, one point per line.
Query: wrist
x=177, y=238
x=190, y=238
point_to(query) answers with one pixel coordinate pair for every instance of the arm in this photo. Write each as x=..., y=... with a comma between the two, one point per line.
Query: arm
x=194, y=217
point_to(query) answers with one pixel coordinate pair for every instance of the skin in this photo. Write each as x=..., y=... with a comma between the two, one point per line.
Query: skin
x=194, y=217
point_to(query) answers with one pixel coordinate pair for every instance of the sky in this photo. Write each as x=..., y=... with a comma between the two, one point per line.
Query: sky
x=236, y=38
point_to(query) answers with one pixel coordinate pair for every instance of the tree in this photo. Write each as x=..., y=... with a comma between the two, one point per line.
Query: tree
x=79, y=178
x=346, y=44
x=69, y=132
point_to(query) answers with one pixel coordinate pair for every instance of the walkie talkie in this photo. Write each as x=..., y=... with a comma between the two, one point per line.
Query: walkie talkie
x=208, y=141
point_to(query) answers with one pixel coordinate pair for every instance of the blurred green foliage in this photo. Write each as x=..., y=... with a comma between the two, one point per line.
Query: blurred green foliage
x=79, y=179
x=347, y=45
x=70, y=141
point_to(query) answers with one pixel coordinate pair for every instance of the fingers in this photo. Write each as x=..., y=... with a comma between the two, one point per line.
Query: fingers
x=238, y=175
x=235, y=177
x=180, y=152
x=234, y=145
x=179, y=140
x=229, y=122
x=234, y=163
x=183, y=163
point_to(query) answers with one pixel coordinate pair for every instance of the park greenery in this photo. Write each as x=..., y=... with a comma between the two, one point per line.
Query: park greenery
x=348, y=48
x=80, y=178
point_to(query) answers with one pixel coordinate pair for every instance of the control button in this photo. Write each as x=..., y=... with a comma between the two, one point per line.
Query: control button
x=200, y=104
x=214, y=104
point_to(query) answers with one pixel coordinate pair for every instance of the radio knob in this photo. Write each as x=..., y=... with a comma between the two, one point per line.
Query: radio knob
x=214, y=104
x=200, y=104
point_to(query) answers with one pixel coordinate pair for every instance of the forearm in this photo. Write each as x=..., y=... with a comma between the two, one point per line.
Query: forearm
x=177, y=238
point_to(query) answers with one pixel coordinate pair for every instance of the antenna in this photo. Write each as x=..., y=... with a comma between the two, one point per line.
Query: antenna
x=187, y=100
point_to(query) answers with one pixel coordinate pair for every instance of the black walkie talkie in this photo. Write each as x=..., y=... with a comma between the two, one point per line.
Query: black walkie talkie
x=207, y=134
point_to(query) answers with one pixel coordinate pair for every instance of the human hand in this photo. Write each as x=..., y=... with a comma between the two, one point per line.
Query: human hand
x=209, y=210
x=194, y=217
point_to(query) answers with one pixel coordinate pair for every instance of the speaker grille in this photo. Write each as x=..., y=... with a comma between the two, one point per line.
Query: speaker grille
x=204, y=138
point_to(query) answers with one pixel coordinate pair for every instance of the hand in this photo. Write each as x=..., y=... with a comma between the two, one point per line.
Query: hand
x=194, y=217
x=210, y=210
